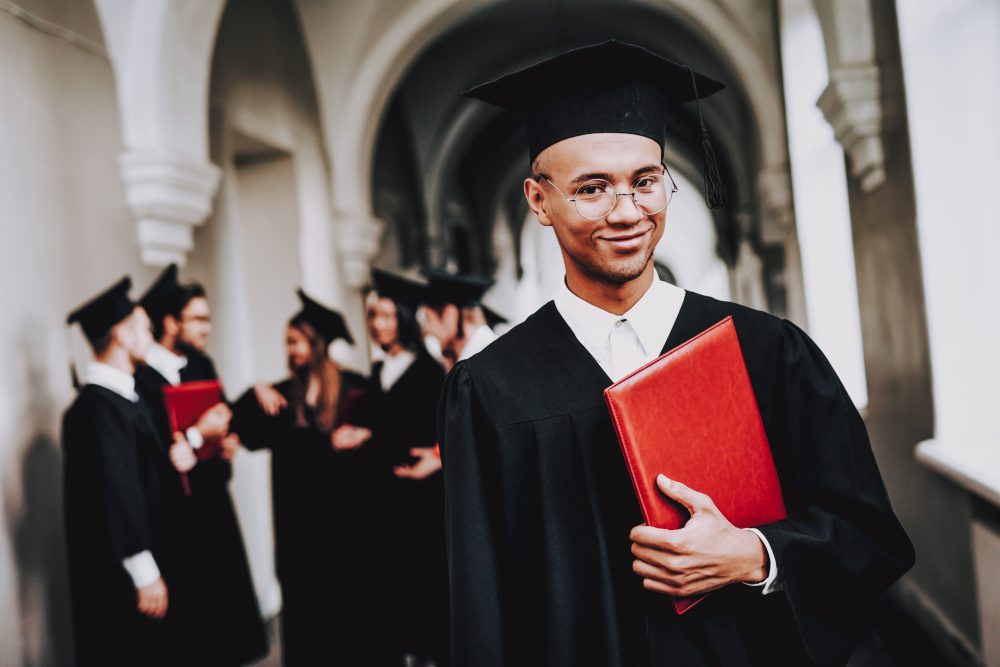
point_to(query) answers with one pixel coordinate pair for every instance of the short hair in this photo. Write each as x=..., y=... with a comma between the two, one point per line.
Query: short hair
x=187, y=293
x=101, y=344
x=539, y=165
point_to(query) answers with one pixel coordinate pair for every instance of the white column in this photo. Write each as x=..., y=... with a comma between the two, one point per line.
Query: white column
x=951, y=65
x=823, y=219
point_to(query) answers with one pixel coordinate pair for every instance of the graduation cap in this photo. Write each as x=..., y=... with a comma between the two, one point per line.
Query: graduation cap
x=493, y=318
x=399, y=288
x=329, y=324
x=99, y=315
x=608, y=87
x=164, y=295
x=460, y=289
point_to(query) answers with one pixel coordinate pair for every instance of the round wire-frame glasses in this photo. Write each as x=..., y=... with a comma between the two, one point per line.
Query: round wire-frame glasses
x=596, y=199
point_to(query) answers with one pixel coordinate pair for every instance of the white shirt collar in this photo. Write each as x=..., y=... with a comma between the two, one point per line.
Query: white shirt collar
x=393, y=367
x=651, y=318
x=477, y=342
x=111, y=379
x=166, y=363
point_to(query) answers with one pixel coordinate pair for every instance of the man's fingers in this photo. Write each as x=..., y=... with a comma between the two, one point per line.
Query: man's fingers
x=647, y=571
x=660, y=538
x=692, y=500
x=670, y=562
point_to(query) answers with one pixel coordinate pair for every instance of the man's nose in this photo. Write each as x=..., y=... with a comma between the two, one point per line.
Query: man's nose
x=624, y=212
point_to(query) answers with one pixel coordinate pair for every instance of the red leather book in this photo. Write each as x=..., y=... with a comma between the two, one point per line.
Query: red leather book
x=691, y=414
x=185, y=403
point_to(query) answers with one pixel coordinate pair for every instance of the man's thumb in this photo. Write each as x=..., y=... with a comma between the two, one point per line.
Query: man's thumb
x=689, y=498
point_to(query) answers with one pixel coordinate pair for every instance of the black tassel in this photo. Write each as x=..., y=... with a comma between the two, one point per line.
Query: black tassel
x=715, y=189
x=74, y=378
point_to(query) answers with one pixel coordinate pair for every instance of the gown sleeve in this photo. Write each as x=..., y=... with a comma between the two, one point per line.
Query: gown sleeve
x=841, y=545
x=468, y=450
x=257, y=430
x=122, y=492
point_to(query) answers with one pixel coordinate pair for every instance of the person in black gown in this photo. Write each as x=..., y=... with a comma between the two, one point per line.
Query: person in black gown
x=548, y=561
x=404, y=389
x=122, y=498
x=226, y=628
x=324, y=503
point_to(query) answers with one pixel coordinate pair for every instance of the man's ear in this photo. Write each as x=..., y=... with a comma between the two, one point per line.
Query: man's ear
x=171, y=326
x=535, y=194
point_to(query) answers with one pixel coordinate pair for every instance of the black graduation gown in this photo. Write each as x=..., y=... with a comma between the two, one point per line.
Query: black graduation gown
x=404, y=418
x=325, y=518
x=121, y=498
x=539, y=509
x=225, y=626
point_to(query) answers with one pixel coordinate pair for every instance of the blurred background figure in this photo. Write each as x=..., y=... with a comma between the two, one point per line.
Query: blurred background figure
x=323, y=497
x=265, y=144
x=122, y=500
x=405, y=386
x=225, y=626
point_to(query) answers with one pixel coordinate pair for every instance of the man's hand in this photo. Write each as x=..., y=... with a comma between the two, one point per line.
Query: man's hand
x=348, y=437
x=152, y=599
x=429, y=463
x=182, y=454
x=706, y=554
x=214, y=422
x=229, y=446
x=270, y=399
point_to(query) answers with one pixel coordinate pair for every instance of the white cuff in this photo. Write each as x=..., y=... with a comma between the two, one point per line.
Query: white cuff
x=194, y=437
x=142, y=568
x=771, y=583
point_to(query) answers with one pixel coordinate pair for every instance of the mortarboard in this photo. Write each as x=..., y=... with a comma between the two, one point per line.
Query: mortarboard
x=460, y=289
x=493, y=318
x=329, y=324
x=399, y=288
x=608, y=87
x=163, y=295
x=104, y=311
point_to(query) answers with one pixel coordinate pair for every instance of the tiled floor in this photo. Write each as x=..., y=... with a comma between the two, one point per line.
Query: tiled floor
x=871, y=652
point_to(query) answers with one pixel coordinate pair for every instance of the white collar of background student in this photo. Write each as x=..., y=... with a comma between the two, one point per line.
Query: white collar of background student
x=166, y=363
x=111, y=379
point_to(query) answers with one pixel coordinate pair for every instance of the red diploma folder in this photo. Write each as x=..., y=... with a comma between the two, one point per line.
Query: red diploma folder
x=691, y=414
x=187, y=402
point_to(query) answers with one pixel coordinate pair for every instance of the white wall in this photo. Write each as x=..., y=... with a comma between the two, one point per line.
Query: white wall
x=66, y=235
x=951, y=63
x=822, y=214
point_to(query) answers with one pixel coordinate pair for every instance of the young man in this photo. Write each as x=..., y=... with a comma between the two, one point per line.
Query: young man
x=454, y=315
x=122, y=496
x=224, y=623
x=548, y=562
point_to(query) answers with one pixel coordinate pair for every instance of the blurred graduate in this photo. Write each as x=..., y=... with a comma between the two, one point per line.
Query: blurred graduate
x=226, y=628
x=122, y=498
x=323, y=511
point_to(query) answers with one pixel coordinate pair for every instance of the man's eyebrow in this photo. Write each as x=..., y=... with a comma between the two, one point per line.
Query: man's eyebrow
x=590, y=177
x=648, y=169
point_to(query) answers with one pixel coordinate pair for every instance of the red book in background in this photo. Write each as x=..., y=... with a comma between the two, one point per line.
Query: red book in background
x=691, y=414
x=185, y=404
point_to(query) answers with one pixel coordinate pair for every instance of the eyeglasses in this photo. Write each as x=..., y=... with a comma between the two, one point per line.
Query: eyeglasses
x=597, y=198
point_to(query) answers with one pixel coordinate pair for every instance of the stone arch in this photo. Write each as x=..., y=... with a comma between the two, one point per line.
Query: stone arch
x=353, y=125
x=161, y=53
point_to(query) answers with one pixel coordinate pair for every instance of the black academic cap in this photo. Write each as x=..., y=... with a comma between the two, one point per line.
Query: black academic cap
x=163, y=295
x=608, y=87
x=493, y=318
x=460, y=289
x=399, y=288
x=329, y=324
x=104, y=311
